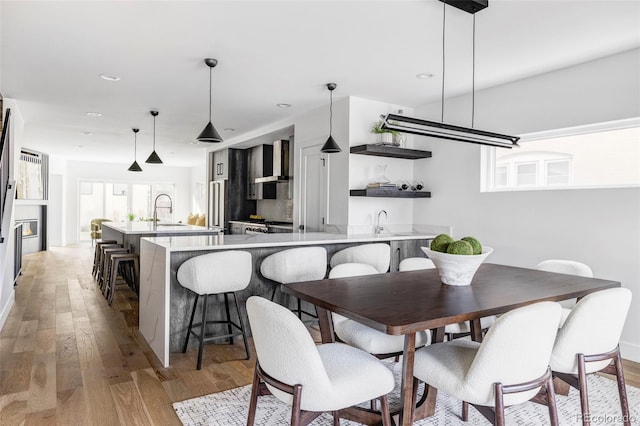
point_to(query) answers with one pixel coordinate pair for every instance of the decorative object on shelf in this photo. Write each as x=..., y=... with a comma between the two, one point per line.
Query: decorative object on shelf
x=384, y=136
x=457, y=269
x=381, y=171
x=390, y=151
x=330, y=146
x=209, y=133
x=135, y=167
x=400, y=140
x=153, y=157
x=389, y=192
x=416, y=126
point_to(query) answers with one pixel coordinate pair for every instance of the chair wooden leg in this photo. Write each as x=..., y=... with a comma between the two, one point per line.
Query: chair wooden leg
x=253, y=402
x=584, y=396
x=226, y=307
x=465, y=411
x=242, y=328
x=193, y=313
x=295, y=408
x=202, y=331
x=384, y=411
x=622, y=390
x=499, y=405
x=336, y=418
x=551, y=401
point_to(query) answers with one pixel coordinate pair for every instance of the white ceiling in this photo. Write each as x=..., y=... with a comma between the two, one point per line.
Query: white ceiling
x=269, y=52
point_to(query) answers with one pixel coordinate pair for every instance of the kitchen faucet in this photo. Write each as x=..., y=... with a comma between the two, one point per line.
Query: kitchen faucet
x=155, y=208
x=379, y=228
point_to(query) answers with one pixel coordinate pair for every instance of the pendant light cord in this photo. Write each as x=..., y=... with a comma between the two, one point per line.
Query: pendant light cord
x=135, y=146
x=473, y=74
x=331, y=113
x=444, y=14
x=210, y=68
x=154, y=133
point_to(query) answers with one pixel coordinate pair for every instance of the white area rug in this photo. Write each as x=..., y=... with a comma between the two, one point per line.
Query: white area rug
x=231, y=407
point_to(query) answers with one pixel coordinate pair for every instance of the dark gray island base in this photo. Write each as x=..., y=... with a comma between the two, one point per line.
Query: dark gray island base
x=165, y=309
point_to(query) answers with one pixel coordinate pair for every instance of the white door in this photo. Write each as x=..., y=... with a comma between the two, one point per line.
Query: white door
x=313, y=192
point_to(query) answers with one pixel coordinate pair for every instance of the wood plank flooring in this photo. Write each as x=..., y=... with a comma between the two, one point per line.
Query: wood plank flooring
x=68, y=358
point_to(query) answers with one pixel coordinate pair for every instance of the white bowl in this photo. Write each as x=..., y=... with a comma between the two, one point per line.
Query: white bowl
x=457, y=269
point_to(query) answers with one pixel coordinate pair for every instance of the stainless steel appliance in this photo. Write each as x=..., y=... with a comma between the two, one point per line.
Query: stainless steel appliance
x=256, y=228
x=268, y=227
x=216, y=203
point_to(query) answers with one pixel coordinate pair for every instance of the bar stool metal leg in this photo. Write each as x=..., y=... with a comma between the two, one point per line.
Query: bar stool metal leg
x=242, y=328
x=202, y=329
x=193, y=314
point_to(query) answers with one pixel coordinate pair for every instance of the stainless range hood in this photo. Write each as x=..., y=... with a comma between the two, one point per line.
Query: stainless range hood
x=280, y=163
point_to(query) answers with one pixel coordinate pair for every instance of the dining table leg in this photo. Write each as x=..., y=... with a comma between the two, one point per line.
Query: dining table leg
x=427, y=406
x=476, y=330
x=406, y=392
x=326, y=325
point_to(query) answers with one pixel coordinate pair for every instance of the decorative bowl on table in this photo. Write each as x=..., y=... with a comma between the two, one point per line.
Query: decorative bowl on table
x=457, y=269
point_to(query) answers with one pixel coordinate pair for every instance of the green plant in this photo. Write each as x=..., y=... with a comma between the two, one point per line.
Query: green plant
x=377, y=128
x=477, y=246
x=131, y=217
x=440, y=243
x=460, y=247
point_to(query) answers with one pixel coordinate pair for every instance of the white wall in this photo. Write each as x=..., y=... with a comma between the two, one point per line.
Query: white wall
x=76, y=171
x=600, y=227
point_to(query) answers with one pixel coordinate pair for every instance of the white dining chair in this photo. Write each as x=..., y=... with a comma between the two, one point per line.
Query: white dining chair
x=569, y=267
x=452, y=331
x=361, y=336
x=312, y=379
x=377, y=255
x=509, y=367
x=588, y=343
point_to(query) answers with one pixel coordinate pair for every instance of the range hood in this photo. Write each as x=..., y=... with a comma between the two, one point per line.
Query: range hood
x=280, y=163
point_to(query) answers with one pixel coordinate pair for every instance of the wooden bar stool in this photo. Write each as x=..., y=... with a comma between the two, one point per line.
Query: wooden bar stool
x=128, y=265
x=100, y=260
x=105, y=268
x=96, y=255
x=216, y=273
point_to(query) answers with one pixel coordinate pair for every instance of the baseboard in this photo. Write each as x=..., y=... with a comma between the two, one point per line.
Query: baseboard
x=630, y=351
x=4, y=314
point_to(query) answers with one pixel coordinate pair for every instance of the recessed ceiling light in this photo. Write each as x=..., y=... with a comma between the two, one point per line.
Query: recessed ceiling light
x=196, y=142
x=87, y=133
x=94, y=114
x=80, y=146
x=109, y=77
x=283, y=105
x=229, y=129
x=425, y=75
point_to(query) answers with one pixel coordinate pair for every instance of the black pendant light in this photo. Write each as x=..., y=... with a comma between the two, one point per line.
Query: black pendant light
x=210, y=134
x=135, y=167
x=153, y=157
x=330, y=146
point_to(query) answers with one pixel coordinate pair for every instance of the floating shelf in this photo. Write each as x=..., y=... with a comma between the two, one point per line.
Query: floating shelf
x=390, y=151
x=390, y=193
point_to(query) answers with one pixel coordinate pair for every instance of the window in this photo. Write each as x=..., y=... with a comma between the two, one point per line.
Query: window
x=602, y=155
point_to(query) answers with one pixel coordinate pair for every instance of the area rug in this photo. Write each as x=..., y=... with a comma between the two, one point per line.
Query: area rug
x=230, y=408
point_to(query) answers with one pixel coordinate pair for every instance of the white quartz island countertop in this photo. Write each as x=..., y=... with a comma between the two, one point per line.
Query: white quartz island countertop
x=138, y=227
x=226, y=242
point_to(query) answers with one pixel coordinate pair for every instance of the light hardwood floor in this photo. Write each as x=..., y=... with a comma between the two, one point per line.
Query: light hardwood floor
x=68, y=358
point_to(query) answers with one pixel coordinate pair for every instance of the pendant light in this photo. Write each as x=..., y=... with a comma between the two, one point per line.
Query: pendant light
x=135, y=167
x=440, y=129
x=330, y=146
x=210, y=134
x=153, y=157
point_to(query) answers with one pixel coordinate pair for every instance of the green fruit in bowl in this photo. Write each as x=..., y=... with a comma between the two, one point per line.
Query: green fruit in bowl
x=440, y=243
x=460, y=247
x=477, y=247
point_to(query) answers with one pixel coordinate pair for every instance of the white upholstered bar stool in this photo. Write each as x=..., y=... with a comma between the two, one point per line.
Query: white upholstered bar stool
x=570, y=267
x=377, y=255
x=509, y=367
x=210, y=274
x=312, y=379
x=588, y=342
x=361, y=336
x=451, y=330
x=295, y=265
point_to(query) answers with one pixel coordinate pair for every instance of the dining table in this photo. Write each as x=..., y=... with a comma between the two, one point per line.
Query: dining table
x=405, y=303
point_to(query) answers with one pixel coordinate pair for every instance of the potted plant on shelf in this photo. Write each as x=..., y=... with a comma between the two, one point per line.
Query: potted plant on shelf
x=385, y=136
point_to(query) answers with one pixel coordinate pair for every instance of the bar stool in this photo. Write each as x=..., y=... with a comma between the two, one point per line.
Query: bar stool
x=100, y=261
x=105, y=272
x=377, y=255
x=128, y=265
x=216, y=273
x=96, y=254
x=295, y=265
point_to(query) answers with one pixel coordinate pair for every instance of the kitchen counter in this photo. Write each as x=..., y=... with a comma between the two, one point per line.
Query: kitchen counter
x=164, y=304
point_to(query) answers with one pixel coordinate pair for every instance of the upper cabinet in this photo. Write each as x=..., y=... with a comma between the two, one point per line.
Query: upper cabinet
x=260, y=162
x=220, y=165
x=390, y=151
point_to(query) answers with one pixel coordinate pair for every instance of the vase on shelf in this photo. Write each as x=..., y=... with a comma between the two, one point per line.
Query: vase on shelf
x=385, y=138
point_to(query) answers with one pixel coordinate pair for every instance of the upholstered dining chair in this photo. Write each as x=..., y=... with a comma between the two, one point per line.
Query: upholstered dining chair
x=588, y=342
x=509, y=367
x=96, y=229
x=361, y=336
x=312, y=379
x=452, y=331
x=377, y=255
x=570, y=267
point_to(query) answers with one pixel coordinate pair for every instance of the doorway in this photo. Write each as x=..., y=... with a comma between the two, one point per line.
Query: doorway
x=313, y=189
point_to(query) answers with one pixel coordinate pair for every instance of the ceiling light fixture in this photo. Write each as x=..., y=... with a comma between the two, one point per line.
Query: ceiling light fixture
x=424, y=75
x=210, y=134
x=440, y=129
x=109, y=77
x=283, y=105
x=135, y=167
x=153, y=157
x=94, y=114
x=87, y=133
x=330, y=146
x=229, y=129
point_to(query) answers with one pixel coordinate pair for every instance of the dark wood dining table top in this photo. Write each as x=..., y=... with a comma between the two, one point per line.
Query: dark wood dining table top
x=404, y=302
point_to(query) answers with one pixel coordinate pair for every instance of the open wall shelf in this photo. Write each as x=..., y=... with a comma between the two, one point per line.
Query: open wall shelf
x=390, y=193
x=390, y=151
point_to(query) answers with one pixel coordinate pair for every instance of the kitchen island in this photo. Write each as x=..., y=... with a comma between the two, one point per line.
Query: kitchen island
x=129, y=233
x=165, y=305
